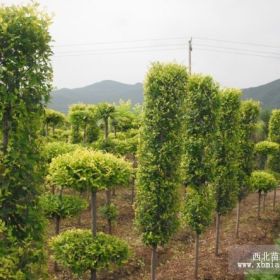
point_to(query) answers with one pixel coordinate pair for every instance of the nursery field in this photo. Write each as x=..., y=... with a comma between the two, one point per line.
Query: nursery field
x=176, y=260
x=159, y=190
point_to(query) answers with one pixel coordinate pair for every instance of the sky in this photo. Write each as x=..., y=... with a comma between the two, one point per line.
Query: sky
x=235, y=41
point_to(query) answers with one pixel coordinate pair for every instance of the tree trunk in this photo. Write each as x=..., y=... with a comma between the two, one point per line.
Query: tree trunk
x=108, y=202
x=57, y=230
x=264, y=199
x=106, y=129
x=259, y=205
x=274, y=199
x=85, y=134
x=93, y=274
x=218, y=216
x=93, y=213
x=132, y=191
x=6, y=126
x=154, y=262
x=237, y=219
x=196, y=255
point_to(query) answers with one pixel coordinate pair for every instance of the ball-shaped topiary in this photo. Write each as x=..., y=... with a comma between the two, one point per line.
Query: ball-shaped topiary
x=262, y=181
x=81, y=252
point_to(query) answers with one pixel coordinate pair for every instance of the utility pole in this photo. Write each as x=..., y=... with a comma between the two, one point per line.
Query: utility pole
x=190, y=56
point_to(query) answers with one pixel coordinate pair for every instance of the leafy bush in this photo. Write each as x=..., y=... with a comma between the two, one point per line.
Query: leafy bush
x=64, y=206
x=198, y=209
x=262, y=181
x=109, y=212
x=54, y=149
x=79, y=251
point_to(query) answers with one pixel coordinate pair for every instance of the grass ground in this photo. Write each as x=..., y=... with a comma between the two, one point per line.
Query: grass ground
x=176, y=260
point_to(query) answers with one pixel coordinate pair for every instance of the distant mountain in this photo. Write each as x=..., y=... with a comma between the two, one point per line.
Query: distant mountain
x=105, y=91
x=112, y=91
x=268, y=94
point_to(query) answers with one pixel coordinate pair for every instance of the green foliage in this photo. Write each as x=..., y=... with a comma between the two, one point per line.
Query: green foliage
x=266, y=147
x=160, y=152
x=85, y=169
x=227, y=150
x=262, y=181
x=62, y=206
x=83, y=117
x=198, y=209
x=249, y=112
x=262, y=276
x=78, y=250
x=109, y=212
x=274, y=126
x=200, y=122
x=54, y=149
x=25, y=75
x=263, y=149
x=53, y=118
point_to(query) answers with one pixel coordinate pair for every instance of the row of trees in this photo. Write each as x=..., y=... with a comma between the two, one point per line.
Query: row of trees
x=204, y=136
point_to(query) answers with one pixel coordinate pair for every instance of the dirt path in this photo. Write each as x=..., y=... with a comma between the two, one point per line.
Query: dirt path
x=176, y=260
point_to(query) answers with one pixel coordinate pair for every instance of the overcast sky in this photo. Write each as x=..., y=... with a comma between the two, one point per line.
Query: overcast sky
x=98, y=40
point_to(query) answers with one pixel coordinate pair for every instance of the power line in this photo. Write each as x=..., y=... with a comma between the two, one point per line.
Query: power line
x=240, y=49
x=237, y=42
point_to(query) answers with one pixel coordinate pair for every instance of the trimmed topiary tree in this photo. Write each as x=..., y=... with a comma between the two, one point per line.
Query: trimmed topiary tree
x=262, y=181
x=58, y=207
x=87, y=170
x=160, y=153
x=249, y=112
x=263, y=149
x=226, y=157
x=79, y=251
x=53, y=118
x=201, y=124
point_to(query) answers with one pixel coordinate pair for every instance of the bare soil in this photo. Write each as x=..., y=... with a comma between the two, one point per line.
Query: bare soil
x=176, y=260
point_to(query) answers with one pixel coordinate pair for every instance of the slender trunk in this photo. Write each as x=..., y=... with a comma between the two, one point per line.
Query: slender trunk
x=154, y=262
x=196, y=255
x=115, y=131
x=274, y=199
x=259, y=205
x=218, y=216
x=264, y=199
x=6, y=126
x=57, y=230
x=114, y=191
x=93, y=212
x=132, y=191
x=108, y=202
x=106, y=128
x=93, y=274
x=237, y=219
x=57, y=225
x=85, y=134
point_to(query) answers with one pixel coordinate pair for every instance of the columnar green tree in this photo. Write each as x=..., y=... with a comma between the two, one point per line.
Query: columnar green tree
x=160, y=155
x=274, y=135
x=227, y=149
x=25, y=75
x=201, y=124
x=249, y=112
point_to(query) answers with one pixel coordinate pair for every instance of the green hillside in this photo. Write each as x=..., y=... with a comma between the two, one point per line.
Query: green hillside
x=112, y=91
x=105, y=91
x=268, y=94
